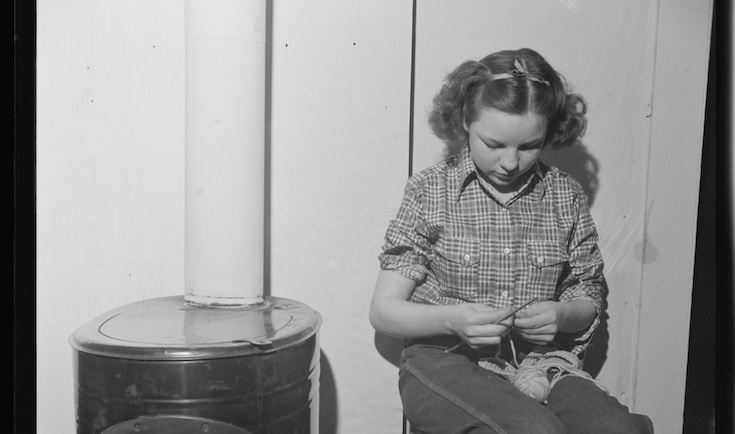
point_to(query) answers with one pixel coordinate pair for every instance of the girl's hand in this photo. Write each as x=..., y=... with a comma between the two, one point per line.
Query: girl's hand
x=539, y=323
x=473, y=322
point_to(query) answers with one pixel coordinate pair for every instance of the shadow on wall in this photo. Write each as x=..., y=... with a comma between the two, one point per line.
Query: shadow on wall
x=579, y=163
x=389, y=348
x=327, y=397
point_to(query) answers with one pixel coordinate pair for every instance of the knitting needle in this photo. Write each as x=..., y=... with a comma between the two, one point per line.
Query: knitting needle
x=515, y=311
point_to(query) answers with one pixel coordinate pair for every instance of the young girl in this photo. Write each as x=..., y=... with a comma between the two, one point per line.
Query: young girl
x=490, y=229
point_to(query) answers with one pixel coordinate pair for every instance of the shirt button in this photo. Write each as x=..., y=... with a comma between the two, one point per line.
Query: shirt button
x=506, y=250
x=504, y=293
x=540, y=259
x=467, y=258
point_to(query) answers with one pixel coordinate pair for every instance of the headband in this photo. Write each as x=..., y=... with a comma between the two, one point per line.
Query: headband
x=519, y=71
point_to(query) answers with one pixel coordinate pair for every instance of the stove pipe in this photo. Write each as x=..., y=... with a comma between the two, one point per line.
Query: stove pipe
x=222, y=358
x=225, y=156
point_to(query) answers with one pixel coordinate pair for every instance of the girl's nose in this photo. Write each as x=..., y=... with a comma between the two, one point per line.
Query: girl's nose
x=509, y=162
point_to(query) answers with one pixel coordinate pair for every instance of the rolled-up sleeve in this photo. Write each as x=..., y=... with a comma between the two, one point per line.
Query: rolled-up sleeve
x=406, y=247
x=585, y=278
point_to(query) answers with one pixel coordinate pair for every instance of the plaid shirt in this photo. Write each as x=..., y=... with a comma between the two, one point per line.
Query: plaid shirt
x=460, y=244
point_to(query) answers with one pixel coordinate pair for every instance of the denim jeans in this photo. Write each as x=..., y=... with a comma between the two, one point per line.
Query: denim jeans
x=448, y=393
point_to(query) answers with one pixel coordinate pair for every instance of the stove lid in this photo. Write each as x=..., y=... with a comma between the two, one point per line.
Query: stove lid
x=169, y=329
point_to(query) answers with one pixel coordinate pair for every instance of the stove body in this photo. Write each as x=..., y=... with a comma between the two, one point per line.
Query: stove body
x=163, y=366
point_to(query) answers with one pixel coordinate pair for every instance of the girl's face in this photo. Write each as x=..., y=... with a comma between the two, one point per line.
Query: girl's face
x=505, y=146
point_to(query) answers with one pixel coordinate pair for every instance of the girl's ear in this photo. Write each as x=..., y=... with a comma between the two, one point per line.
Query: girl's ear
x=466, y=128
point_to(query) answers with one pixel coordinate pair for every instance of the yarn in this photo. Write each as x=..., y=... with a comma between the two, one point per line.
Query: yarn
x=532, y=376
x=533, y=382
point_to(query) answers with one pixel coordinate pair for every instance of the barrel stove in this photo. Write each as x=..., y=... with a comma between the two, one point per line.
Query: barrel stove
x=163, y=366
x=222, y=358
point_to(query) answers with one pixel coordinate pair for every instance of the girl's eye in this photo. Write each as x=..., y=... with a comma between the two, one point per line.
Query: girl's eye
x=530, y=147
x=492, y=145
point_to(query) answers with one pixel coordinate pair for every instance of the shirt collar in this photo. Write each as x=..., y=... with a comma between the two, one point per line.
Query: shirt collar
x=467, y=172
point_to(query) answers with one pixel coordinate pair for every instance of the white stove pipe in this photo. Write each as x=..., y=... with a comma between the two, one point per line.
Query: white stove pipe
x=225, y=156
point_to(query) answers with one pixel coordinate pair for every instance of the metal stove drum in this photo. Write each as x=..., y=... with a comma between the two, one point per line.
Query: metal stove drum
x=164, y=366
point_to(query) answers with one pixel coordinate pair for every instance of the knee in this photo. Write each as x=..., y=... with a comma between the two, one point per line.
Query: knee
x=583, y=408
x=540, y=421
x=632, y=423
x=549, y=425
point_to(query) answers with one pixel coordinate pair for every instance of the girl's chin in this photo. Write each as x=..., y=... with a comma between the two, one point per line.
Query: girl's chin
x=500, y=180
x=503, y=182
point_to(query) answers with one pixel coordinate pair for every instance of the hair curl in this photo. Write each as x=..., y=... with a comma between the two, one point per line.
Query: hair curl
x=469, y=89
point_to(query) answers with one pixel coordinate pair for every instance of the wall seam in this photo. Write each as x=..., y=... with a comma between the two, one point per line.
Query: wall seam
x=411, y=92
x=633, y=382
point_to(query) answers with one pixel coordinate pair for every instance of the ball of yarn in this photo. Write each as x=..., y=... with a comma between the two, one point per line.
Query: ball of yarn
x=533, y=382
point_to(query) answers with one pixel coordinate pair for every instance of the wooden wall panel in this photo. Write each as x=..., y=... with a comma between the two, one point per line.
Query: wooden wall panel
x=682, y=56
x=340, y=128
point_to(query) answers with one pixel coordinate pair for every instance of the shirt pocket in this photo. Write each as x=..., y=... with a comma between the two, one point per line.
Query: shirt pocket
x=545, y=261
x=455, y=265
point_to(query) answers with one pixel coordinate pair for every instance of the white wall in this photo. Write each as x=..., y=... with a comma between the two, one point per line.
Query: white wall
x=110, y=169
x=111, y=190
x=110, y=193
x=341, y=75
x=682, y=54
